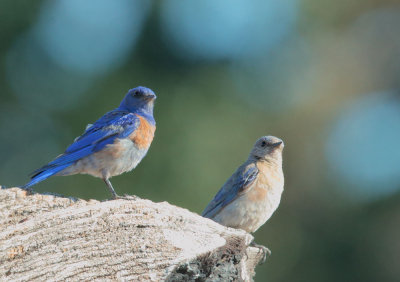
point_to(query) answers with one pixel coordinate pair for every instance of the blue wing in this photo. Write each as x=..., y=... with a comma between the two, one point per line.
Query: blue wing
x=240, y=182
x=114, y=124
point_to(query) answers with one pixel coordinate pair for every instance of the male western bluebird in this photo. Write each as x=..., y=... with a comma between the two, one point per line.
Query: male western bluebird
x=252, y=194
x=114, y=144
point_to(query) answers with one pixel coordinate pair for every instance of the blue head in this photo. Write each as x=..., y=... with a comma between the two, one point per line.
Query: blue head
x=139, y=100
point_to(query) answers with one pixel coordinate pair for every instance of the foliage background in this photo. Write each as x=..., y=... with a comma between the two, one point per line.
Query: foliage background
x=322, y=75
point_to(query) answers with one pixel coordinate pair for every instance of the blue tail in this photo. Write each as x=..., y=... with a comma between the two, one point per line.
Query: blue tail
x=44, y=173
x=58, y=164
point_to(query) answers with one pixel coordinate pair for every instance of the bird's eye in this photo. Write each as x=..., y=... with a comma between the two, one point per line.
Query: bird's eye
x=263, y=144
x=136, y=93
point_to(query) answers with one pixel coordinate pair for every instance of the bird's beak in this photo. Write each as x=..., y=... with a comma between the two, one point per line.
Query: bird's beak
x=277, y=144
x=150, y=97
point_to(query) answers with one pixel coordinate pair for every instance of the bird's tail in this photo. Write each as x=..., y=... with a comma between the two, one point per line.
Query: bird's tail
x=44, y=173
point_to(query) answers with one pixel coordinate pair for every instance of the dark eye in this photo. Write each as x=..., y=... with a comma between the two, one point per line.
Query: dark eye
x=137, y=94
x=263, y=144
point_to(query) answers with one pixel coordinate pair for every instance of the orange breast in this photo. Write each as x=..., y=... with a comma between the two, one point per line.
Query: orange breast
x=257, y=194
x=143, y=135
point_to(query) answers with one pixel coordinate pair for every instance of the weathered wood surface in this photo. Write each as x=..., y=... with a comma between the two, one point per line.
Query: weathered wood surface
x=47, y=237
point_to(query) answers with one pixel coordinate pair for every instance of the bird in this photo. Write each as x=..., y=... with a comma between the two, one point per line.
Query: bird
x=253, y=192
x=114, y=144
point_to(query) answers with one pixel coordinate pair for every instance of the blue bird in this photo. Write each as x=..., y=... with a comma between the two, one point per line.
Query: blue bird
x=114, y=144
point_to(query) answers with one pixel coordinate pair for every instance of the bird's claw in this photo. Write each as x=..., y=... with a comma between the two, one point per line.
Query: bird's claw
x=266, y=252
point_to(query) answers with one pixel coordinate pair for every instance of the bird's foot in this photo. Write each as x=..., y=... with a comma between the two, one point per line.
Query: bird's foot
x=29, y=190
x=115, y=196
x=265, y=251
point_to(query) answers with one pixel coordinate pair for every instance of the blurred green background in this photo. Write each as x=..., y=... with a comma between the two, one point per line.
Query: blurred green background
x=322, y=75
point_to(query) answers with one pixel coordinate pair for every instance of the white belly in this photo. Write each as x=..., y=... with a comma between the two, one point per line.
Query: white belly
x=249, y=214
x=115, y=159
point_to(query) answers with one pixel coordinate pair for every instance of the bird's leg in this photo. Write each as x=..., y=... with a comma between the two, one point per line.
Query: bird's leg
x=266, y=252
x=110, y=188
x=115, y=196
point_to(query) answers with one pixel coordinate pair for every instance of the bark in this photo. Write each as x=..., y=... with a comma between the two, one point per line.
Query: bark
x=49, y=237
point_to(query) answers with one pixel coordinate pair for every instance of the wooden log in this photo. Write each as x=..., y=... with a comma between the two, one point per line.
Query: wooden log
x=50, y=237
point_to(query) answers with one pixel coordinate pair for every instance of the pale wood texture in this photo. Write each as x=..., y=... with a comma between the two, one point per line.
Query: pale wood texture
x=48, y=237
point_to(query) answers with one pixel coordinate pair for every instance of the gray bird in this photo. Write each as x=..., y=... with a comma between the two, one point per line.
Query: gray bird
x=252, y=194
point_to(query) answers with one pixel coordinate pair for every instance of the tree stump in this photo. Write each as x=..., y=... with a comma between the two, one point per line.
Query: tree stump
x=50, y=237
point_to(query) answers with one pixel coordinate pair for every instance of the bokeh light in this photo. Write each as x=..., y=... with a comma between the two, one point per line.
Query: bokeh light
x=93, y=36
x=363, y=146
x=226, y=29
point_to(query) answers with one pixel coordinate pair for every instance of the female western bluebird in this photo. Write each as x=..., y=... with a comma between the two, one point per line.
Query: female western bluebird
x=252, y=194
x=114, y=144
